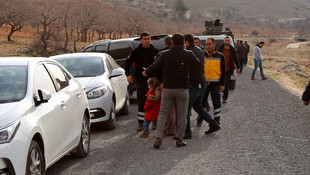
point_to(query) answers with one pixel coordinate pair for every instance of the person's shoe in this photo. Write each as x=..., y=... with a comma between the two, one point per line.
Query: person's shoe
x=166, y=132
x=153, y=126
x=179, y=142
x=187, y=135
x=264, y=78
x=199, y=123
x=145, y=134
x=217, y=119
x=253, y=78
x=157, y=143
x=140, y=127
x=208, y=107
x=224, y=101
x=213, y=129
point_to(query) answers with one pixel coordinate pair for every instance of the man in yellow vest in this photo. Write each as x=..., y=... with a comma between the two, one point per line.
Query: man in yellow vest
x=215, y=75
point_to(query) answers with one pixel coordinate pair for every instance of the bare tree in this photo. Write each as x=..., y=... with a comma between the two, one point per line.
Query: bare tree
x=14, y=13
x=47, y=13
x=85, y=15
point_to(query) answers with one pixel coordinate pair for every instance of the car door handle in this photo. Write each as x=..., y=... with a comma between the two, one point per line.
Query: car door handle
x=63, y=104
x=78, y=94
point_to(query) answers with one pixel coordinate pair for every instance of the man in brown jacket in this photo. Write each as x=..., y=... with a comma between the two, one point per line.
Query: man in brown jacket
x=241, y=54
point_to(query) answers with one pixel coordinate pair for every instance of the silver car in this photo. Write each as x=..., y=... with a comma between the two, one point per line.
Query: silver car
x=105, y=83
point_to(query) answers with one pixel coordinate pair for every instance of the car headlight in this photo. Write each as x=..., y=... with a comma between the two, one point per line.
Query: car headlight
x=7, y=134
x=97, y=92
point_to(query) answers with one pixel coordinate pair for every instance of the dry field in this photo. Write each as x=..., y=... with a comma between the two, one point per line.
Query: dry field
x=290, y=67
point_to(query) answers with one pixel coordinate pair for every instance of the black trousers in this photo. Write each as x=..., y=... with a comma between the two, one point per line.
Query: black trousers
x=227, y=85
x=142, y=90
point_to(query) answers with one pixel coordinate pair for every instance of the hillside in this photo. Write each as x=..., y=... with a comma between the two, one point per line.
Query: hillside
x=271, y=9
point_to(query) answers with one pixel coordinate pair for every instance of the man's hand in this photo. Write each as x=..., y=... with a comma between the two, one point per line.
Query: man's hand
x=222, y=88
x=306, y=103
x=238, y=70
x=129, y=79
x=144, y=74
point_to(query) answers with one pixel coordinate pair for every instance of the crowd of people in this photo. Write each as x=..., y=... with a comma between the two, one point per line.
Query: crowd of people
x=172, y=82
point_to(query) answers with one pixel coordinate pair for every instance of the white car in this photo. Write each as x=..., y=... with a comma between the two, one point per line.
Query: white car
x=44, y=115
x=105, y=83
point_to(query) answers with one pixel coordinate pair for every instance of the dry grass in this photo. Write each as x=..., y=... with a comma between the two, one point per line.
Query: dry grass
x=22, y=41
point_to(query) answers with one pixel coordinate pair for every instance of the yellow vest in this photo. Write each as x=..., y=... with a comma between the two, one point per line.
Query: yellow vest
x=212, y=67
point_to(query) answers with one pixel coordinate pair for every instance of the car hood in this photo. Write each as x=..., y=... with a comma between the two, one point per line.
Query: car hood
x=9, y=112
x=90, y=83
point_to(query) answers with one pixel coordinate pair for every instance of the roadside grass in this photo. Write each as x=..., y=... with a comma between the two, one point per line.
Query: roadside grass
x=274, y=76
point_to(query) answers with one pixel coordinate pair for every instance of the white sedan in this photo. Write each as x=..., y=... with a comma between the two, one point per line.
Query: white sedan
x=44, y=115
x=105, y=83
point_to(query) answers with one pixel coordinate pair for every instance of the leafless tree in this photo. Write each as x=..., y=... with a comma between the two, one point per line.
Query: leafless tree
x=14, y=13
x=85, y=15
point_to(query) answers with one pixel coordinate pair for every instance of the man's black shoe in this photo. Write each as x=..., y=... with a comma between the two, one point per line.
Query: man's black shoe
x=217, y=119
x=187, y=136
x=212, y=129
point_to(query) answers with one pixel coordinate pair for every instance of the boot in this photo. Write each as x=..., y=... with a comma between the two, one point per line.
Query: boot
x=140, y=127
x=179, y=142
x=157, y=143
x=214, y=127
x=187, y=135
x=145, y=134
x=199, y=121
x=217, y=119
x=153, y=126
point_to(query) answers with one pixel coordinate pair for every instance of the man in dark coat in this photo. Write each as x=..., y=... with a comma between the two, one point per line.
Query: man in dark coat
x=306, y=95
x=197, y=87
x=247, y=47
x=143, y=56
x=241, y=54
x=230, y=60
x=175, y=63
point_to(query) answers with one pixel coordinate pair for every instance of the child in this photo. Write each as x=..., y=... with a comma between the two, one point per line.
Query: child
x=152, y=105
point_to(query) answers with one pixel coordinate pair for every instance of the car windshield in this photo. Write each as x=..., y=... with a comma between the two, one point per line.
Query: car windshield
x=83, y=66
x=13, y=83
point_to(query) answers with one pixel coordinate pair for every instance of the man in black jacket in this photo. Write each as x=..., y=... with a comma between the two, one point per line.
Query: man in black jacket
x=175, y=64
x=143, y=56
x=197, y=87
x=230, y=58
x=306, y=95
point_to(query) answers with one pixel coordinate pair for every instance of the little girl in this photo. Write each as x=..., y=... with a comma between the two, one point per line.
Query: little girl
x=152, y=105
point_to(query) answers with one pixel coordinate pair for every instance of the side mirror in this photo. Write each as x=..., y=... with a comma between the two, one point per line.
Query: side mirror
x=42, y=97
x=116, y=73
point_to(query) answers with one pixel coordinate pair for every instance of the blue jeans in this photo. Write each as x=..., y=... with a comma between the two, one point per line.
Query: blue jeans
x=258, y=63
x=196, y=92
x=146, y=124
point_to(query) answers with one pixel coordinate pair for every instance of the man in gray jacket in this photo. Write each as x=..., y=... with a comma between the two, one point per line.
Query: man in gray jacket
x=258, y=61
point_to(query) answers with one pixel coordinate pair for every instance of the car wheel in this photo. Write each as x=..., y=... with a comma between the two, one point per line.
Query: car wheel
x=35, y=160
x=83, y=148
x=125, y=108
x=111, y=123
